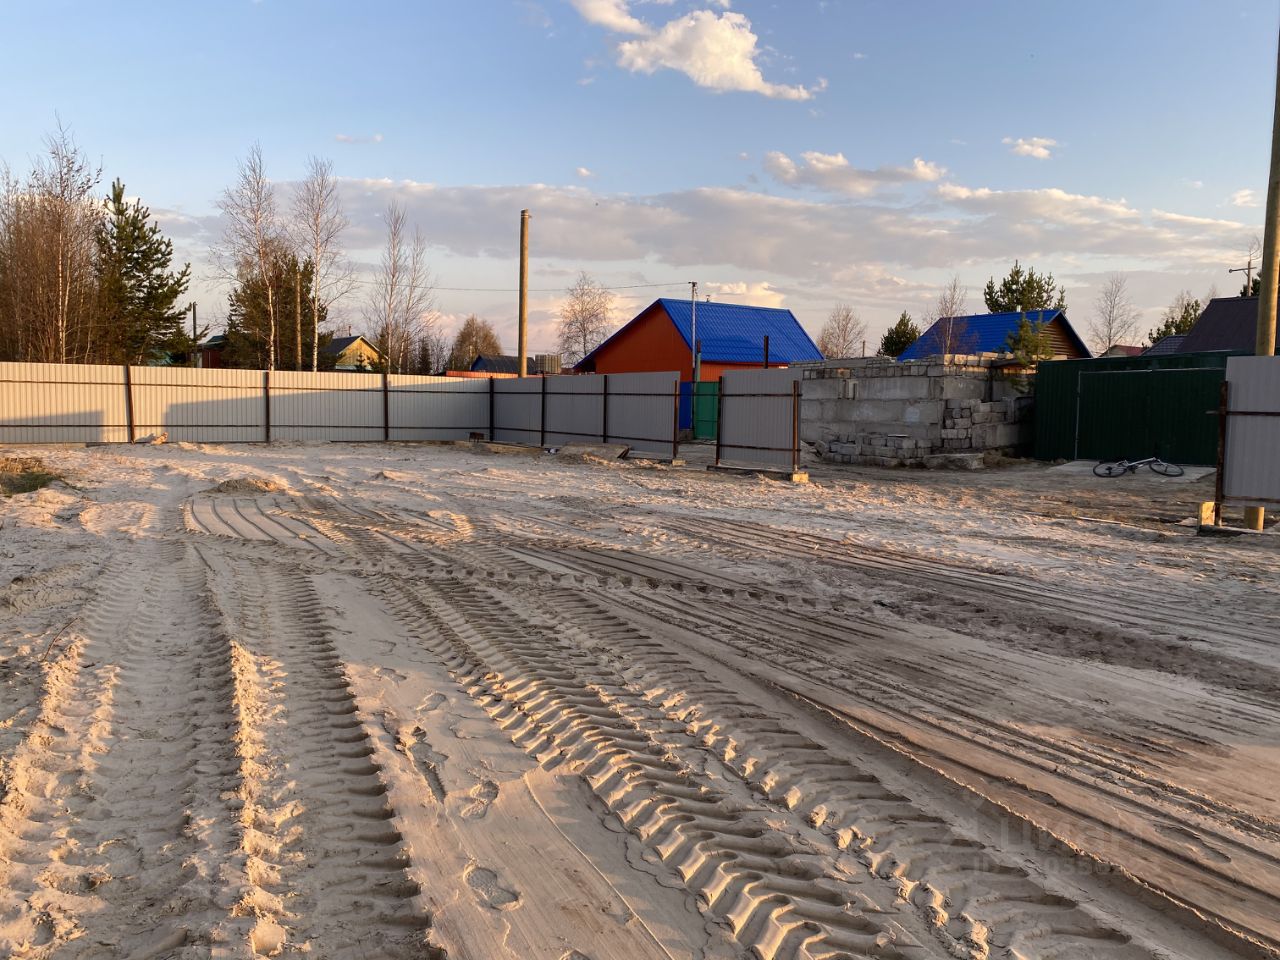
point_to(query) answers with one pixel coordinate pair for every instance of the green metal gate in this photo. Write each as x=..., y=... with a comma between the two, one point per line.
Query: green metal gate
x=1130, y=407
x=706, y=409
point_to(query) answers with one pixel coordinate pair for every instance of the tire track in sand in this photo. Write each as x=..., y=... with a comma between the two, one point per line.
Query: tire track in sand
x=326, y=866
x=118, y=827
x=780, y=886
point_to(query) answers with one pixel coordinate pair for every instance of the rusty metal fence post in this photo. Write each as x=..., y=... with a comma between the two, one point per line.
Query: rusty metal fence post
x=604, y=408
x=795, y=426
x=128, y=403
x=266, y=406
x=675, y=420
x=719, y=412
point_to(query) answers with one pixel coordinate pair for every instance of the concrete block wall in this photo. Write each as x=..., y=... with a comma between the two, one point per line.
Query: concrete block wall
x=940, y=411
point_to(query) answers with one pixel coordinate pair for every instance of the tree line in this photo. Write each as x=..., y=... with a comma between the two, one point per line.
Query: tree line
x=1113, y=320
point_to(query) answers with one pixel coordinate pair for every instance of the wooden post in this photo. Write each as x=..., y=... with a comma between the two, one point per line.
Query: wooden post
x=491, y=409
x=266, y=406
x=795, y=426
x=542, y=417
x=604, y=408
x=386, y=408
x=128, y=403
x=719, y=412
x=522, y=363
x=1223, y=396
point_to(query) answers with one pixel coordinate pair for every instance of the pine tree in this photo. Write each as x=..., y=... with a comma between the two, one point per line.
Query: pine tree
x=1179, y=317
x=1024, y=290
x=138, y=290
x=898, y=337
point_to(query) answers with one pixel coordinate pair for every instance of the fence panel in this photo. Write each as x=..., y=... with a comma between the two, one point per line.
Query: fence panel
x=199, y=406
x=759, y=418
x=326, y=406
x=437, y=408
x=575, y=408
x=62, y=403
x=517, y=411
x=642, y=411
x=1251, y=467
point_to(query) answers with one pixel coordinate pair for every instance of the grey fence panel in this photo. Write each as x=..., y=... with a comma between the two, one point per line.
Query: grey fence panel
x=1251, y=468
x=437, y=408
x=643, y=411
x=199, y=406
x=758, y=418
x=326, y=406
x=62, y=403
x=575, y=409
x=517, y=411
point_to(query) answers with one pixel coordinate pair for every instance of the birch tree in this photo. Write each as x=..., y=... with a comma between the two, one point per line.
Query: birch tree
x=842, y=333
x=252, y=234
x=402, y=306
x=1115, y=319
x=317, y=224
x=584, y=318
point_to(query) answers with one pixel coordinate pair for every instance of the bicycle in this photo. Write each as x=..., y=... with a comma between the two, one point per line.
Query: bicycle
x=1118, y=467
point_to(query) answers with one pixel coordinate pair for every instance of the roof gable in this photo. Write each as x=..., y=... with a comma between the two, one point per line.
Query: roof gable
x=1227, y=323
x=988, y=333
x=496, y=363
x=734, y=333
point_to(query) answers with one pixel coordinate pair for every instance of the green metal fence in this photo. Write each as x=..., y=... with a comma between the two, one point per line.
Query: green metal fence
x=706, y=409
x=1130, y=407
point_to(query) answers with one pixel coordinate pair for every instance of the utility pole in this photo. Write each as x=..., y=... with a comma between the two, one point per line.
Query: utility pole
x=693, y=332
x=521, y=364
x=1265, y=342
x=1248, y=276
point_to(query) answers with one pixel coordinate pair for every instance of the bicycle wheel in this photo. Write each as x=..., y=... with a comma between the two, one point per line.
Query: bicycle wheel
x=1110, y=469
x=1166, y=469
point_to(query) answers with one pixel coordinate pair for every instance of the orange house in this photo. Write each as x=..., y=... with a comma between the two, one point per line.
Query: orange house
x=732, y=336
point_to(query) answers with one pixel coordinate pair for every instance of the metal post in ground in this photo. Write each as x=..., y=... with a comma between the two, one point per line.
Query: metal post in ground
x=266, y=406
x=542, y=417
x=491, y=437
x=719, y=414
x=604, y=408
x=675, y=421
x=386, y=408
x=128, y=403
x=1223, y=396
x=766, y=352
x=795, y=426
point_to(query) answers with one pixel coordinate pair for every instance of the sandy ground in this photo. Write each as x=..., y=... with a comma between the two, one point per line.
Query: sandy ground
x=356, y=701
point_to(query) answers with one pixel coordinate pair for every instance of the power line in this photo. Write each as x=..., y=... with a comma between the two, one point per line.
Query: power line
x=625, y=286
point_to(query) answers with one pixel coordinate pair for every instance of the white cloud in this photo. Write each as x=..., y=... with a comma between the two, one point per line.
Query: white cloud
x=612, y=15
x=348, y=138
x=1244, y=198
x=716, y=51
x=1037, y=147
x=762, y=294
x=583, y=173
x=831, y=171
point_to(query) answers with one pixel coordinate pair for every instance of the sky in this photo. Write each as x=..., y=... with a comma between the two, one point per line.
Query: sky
x=796, y=154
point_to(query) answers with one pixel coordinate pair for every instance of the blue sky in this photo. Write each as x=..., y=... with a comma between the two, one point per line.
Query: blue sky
x=795, y=153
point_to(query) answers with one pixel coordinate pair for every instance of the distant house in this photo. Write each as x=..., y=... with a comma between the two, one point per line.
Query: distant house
x=542, y=363
x=209, y=354
x=1227, y=323
x=660, y=338
x=1165, y=345
x=1124, y=350
x=989, y=333
x=353, y=353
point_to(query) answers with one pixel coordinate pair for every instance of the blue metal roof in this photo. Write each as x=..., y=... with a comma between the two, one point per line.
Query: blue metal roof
x=732, y=333
x=984, y=333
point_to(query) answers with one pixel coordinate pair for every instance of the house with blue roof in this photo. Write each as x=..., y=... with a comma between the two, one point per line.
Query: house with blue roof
x=733, y=336
x=989, y=333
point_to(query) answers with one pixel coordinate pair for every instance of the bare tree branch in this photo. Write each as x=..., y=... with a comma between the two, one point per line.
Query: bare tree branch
x=249, y=206
x=316, y=226
x=584, y=318
x=401, y=309
x=1115, y=319
x=843, y=333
